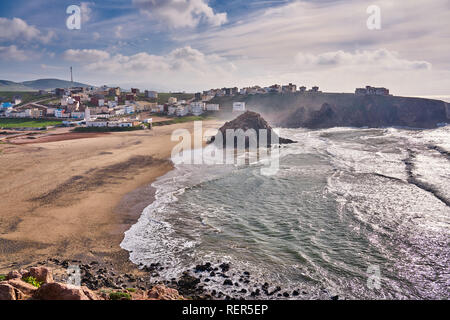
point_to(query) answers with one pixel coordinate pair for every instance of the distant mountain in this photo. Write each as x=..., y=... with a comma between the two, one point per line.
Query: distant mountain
x=49, y=84
x=6, y=85
x=40, y=84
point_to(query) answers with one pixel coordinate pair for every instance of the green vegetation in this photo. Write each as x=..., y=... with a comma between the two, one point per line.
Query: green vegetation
x=11, y=123
x=32, y=281
x=181, y=120
x=119, y=296
x=26, y=96
x=106, y=129
x=131, y=289
x=2, y=277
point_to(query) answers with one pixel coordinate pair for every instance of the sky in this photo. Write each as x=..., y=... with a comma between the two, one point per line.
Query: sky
x=194, y=45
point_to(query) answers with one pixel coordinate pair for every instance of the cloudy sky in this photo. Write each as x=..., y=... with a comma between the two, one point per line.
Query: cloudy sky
x=190, y=45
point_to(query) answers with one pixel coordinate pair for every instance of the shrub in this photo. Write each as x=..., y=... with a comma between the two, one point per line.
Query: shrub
x=32, y=281
x=119, y=296
x=2, y=277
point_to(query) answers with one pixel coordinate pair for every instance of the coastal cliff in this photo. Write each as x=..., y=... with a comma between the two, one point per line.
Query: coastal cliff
x=325, y=110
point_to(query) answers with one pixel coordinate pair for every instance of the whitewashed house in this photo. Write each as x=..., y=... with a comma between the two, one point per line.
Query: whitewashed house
x=97, y=123
x=212, y=107
x=129, y=109
x=182, y=111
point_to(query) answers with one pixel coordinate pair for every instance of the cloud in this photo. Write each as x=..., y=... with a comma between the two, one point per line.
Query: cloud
x=181, y=13
x=86, y=11
x=184, y=68
x=380, y=59
x=17, y=29
x=85, y=55
x=12, y=53
x=118, y=31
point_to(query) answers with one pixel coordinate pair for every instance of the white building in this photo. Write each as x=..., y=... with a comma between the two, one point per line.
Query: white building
x=212, y=107
x=78, y=115
x=239, y=107
x=59, y=113
x=182, y=111
x=119, y=112
x=101, y=102
x=87, y=114
x=97, y=123
x=129, y=109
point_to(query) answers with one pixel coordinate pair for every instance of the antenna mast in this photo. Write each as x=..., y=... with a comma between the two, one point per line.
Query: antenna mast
x=71, y=77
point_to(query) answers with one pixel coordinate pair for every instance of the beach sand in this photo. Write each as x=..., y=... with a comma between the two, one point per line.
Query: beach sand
x=74, y=199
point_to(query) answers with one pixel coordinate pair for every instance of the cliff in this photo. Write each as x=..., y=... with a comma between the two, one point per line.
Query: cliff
x=325, y=110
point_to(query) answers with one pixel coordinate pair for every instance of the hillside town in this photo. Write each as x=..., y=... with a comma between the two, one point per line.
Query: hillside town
x=113, y=107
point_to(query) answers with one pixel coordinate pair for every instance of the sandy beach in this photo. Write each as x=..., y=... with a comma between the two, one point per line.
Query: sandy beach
x=74, y=199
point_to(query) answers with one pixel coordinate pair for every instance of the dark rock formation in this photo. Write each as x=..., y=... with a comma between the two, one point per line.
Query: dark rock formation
x=245, y=129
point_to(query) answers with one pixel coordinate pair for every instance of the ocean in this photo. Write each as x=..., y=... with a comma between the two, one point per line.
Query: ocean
x=359, y=213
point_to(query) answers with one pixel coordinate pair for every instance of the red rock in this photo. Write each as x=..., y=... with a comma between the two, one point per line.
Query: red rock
x=13, y=275
x=161, y=292
x=22, y=286
x=7, y=291
x=59, y=291
x=42, y=274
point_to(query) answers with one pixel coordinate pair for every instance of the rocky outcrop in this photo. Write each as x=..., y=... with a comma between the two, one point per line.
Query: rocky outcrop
x=7, y=292
x=60, y=291
x=161, y=292
x=16, y=287
x=245, y=131
x=41, y=274
x=24, y=288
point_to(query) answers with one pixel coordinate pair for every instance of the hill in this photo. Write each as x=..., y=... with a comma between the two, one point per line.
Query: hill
x=325, y=110
x=40, y=84
x=49, y=84
x=6, y=85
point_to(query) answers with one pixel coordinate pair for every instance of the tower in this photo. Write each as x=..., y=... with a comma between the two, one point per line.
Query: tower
x=71, y=77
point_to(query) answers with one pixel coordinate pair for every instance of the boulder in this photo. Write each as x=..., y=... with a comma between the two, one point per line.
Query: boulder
x=13, y=275
x=161, y=292
x=42, y=274
x=7, y=291
x=60, y=291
